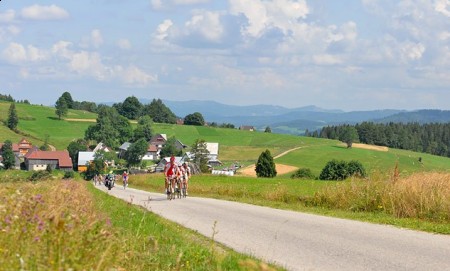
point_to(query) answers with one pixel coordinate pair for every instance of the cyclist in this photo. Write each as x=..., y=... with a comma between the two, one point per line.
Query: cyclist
x=187, y=175
x=125, y=179
x=170, y=173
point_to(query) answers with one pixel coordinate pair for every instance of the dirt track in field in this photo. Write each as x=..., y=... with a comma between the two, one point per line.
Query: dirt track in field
x=82, y=120
x=281, y=169
x=91, y=120
x=370, y=147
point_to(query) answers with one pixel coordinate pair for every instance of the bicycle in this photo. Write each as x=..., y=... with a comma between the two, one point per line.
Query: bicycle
x=183, y=188
x=125, y=183
x=170, y=190
x=178, y=188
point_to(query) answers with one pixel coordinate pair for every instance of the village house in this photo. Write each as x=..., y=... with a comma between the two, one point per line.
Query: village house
x=213, y=155
x=86, y=157
x=19, y=150
x=151, y=154
x=39, y=160
x=247, y=128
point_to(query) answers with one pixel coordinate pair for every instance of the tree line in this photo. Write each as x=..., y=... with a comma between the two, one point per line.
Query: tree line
x=433, y=138
x=9, y=98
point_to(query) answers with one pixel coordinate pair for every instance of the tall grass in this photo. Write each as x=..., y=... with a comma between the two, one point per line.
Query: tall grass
x=69, y=225
x=52, y=226
x=422, y=195
x=418, y=202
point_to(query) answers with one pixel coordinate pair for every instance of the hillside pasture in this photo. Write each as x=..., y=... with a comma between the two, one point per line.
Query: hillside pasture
x=35, y=122
x=315, y=157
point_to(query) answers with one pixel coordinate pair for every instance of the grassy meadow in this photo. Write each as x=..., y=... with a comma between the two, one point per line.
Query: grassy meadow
x=35, y=122
x=70, y=225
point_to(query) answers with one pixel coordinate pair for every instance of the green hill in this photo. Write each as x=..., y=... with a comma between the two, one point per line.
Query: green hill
x=35, y=122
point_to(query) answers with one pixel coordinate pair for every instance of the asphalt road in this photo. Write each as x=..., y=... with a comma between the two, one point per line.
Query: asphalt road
x=299, y=241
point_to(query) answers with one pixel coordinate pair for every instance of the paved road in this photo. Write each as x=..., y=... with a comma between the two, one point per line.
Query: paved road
x=300, y=241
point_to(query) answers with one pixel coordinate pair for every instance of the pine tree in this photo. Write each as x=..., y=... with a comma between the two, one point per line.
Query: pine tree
x=265, y=167
x=8, y=155
x=13, y=118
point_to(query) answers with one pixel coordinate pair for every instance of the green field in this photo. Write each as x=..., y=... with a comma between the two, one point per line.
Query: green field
x=35, y=122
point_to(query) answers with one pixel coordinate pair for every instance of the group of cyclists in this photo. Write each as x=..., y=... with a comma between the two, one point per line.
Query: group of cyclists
x=176, y=177
x=109, y=179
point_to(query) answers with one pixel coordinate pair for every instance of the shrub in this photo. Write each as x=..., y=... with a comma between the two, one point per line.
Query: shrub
x=68, y=175
x=355, y=168
x=39, y=175
x=334, y=170
x=303, y=173
x=340, y=170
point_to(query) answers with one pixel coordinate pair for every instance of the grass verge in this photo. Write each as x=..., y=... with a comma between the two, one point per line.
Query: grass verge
x=69, y=225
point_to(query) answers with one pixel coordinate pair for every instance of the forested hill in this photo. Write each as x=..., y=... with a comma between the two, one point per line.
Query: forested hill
x=433, y=138
x=420, y=116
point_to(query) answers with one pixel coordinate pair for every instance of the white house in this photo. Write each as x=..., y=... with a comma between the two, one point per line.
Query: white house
x=213, y=149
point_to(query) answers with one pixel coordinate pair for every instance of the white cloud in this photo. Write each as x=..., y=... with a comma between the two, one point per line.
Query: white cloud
x=61, y=49
x=135, y=76
x=16, y=53
x=264, y=15
x=442, y=6
x=37, y=12
x=124, y=44
x=159, y=4
x=163, y=29
x=412, y=51
x=156, y=4
x=86, y=63
x=8, y=16
x=190, y=2
x=207, y=24
x=326, y=59
x=91, y=64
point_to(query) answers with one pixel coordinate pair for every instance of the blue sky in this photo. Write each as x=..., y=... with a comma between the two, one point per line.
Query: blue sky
x=350, y=55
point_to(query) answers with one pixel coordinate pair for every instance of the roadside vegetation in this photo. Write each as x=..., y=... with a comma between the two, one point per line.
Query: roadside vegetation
x=420, y=201
x=69, y=225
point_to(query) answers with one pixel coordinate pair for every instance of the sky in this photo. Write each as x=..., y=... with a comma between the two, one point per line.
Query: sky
x=348, y=55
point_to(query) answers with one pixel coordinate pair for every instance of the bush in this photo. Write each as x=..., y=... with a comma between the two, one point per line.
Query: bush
x=355, y=168
x=39, y=175
x=68, y=175
x=303, y=173
x=340, y=170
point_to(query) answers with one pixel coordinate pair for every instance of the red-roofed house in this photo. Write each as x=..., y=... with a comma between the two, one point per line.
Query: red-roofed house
x=20, y=149
x=39, y=160
x=24, y=146
x=152, y=153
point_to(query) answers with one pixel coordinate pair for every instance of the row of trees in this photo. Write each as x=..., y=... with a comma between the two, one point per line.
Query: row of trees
x=9, y=98
x=132, y=109
x=433, y=138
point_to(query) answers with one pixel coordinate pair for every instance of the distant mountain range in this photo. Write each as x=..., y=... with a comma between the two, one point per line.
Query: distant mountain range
x=296, y=120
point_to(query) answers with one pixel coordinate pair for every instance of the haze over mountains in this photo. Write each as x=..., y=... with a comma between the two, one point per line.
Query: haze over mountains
x=296, y=120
